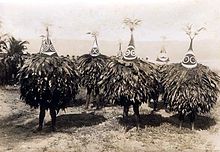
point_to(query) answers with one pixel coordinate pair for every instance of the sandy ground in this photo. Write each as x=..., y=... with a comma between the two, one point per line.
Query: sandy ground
x=101, y=131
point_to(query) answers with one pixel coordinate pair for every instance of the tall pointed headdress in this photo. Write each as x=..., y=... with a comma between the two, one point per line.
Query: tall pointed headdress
x=47, y=47
x=120, y=53
x=130, y=52
x=162, y=56
x=189, y=60
x=95, y=48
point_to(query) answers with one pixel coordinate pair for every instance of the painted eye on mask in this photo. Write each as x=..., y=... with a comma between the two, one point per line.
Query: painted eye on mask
x=127, y=52
x=132, y=52
x=186, y=59
x=192, y=59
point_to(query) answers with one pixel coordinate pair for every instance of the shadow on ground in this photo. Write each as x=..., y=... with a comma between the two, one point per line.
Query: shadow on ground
x=202, y=122
x=155, y=120
x=22, y=125
x=145, y=120
x=78, y=120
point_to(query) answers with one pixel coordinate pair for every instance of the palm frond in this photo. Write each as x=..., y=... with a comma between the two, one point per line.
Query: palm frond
x=90, y=69
x=190, y=90
x=93, y=33
x=128, y=80
x=131, y=23
x=48, y=81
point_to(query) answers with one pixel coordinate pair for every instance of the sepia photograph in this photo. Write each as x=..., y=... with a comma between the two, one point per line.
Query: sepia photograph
x=109, y=75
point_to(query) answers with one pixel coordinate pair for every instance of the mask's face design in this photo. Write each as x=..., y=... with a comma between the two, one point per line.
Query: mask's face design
x=94, y=51
x=48, y=48
x=189, y=60
x=130, y=53
x=163, y=57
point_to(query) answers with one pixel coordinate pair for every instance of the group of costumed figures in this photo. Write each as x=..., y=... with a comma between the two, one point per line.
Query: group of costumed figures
x=51, y=82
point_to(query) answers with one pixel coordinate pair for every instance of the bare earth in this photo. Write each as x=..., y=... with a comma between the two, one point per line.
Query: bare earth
x=101, y=131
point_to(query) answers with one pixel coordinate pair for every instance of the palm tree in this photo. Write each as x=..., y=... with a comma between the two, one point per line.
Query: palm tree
x=3, y=45
x=16, y=46
x=13, y=59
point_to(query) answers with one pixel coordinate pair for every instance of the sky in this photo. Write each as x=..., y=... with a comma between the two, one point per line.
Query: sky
x=72, y=19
